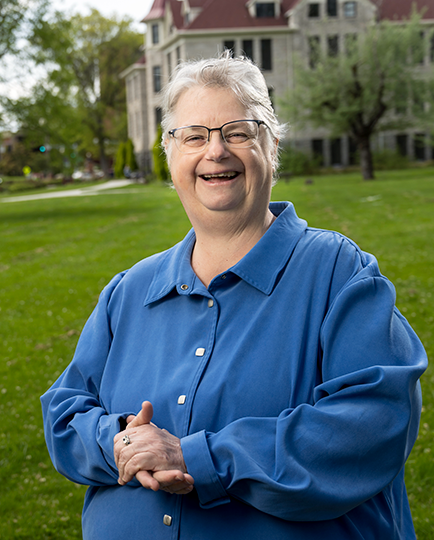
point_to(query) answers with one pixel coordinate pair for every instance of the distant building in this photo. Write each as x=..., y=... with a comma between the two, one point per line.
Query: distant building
x=270, y=33
x=8, y=142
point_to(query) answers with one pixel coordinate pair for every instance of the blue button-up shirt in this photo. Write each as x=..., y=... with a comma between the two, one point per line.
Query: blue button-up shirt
x=292, y=382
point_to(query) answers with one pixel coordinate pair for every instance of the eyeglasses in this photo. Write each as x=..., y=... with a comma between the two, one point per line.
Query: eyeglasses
x=238, y=134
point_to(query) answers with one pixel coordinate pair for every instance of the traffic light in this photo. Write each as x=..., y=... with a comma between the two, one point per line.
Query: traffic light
x=41, y=148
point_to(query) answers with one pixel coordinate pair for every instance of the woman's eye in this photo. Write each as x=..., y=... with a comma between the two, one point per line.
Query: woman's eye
x=236, y=136
x=194, y=139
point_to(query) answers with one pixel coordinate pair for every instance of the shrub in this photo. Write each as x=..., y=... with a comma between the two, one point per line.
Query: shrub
x=161, y=169
x=297, y=163
x=389, y=160
x=120, y=160
x=130, y=157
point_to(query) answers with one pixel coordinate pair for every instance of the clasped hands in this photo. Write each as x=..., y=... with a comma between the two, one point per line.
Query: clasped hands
x=154, y=456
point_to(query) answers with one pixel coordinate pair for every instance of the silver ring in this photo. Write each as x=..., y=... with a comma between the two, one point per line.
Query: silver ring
x=126, y=440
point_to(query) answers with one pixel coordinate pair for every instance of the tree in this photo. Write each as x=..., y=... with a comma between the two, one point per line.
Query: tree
x=45, y=118
x=84, y=56
x=161, y=169
x=13, y=14
x=364, y=88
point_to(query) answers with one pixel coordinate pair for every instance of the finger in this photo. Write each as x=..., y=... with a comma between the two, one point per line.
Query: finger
x=144, y=416
x=147, y=480
x=166, y=478
x=170, y=482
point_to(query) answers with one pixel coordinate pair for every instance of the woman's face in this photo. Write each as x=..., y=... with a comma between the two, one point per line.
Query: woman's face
x=220, y=178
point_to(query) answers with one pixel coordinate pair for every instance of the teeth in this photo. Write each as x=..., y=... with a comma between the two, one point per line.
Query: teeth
x=221, y=175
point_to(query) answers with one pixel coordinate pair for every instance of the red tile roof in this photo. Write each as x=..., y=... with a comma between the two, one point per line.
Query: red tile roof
x=157, y=10
x=234, y=13
x=400, y=9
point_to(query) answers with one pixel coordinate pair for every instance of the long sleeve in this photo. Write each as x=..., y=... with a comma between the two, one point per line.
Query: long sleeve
x=318, y=461
x=78, y=428
x=291, y=381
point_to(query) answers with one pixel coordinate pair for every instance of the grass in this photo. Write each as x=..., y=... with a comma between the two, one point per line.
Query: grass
x=57, y=254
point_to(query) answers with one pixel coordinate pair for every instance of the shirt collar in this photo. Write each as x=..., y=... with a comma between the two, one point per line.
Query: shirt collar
x=260, y=267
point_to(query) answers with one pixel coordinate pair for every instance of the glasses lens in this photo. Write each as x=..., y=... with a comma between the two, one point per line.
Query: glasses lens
x=241, y=134
x=190, y=139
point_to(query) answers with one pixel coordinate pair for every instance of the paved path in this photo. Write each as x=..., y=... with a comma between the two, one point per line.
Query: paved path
x=92, y=190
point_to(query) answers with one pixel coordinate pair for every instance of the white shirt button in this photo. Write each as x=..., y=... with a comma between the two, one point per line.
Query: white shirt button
x=167, y=520
x=181, y=400
x=210, y=303
x=200, y=351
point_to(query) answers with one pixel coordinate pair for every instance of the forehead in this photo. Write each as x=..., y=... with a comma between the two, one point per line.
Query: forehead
x=208, y=106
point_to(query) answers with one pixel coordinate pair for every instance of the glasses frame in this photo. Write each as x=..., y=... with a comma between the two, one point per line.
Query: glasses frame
x=197, y=150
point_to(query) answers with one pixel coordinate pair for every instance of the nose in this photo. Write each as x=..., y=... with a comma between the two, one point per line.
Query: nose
x=216, y=149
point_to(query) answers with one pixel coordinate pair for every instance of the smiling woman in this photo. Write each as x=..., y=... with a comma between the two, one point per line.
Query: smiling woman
x=259, y=369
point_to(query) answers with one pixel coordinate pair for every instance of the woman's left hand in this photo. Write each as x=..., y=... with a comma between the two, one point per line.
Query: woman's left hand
x=154, y=456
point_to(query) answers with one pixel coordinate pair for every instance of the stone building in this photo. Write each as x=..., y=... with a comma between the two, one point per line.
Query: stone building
x=270, y=32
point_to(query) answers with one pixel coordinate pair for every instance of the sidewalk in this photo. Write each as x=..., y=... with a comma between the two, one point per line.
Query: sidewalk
x=92, y=190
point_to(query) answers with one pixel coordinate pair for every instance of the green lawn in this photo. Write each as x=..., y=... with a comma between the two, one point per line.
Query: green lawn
x=57, y=254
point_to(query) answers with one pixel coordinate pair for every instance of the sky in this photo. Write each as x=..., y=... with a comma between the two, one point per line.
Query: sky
x=16, y=85
x=136, y=9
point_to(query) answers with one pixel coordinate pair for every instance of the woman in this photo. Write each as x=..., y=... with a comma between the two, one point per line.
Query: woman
x=274, y=383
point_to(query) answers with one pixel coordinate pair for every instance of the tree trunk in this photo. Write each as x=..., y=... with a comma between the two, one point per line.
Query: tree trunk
x=366, y=164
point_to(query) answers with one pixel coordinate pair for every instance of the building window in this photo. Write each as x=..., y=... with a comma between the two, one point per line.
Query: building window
x=266, y=55
x=178, y=55
x=333, y=45
x=350, y=43
x=314, y=51
x=419, y=146
x=137, y=125
x=137, y=86
x=336, y=151
x=332, y=8
x=158, y=116
x=229, y=45
x=247, y=45
x=350, y=10
x=265, y=9
x=156, y=71
x=419, y=53
x=169, y=63
x=401, y=144
x=155, y=34
x=313, y=11
x=318, y=151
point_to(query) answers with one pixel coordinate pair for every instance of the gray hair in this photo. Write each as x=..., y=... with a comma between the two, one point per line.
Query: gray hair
x=240, y=75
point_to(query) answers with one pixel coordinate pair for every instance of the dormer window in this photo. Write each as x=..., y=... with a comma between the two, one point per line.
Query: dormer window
x=265, y=9
x=155, y=34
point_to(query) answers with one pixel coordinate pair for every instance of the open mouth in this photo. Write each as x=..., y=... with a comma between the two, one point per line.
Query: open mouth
x=230, y=175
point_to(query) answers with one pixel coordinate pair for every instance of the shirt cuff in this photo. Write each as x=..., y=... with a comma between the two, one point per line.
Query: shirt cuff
x=109, y=427
x=199, y=464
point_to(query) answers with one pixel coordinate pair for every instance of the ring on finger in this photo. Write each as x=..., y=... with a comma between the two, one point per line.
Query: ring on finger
x=126, y=440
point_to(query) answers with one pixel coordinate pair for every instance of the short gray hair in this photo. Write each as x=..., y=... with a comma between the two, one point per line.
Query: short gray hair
x=240, y=75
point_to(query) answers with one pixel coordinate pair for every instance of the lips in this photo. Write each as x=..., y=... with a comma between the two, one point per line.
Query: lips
x=229, y=175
